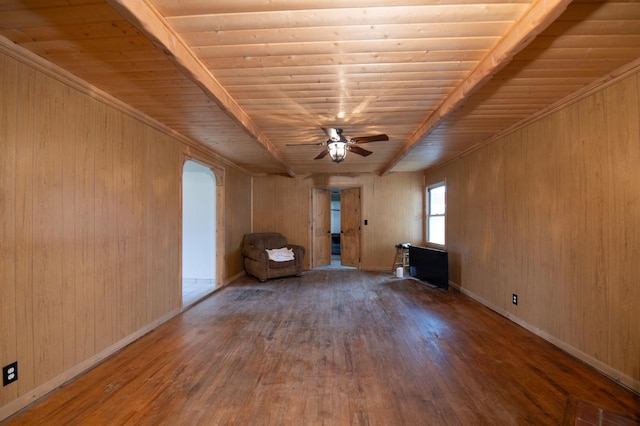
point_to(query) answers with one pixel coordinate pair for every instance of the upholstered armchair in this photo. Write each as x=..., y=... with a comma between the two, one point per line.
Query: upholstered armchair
x=256, y=258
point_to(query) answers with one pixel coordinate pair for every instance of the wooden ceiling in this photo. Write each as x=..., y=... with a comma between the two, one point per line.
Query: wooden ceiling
x=248, y=78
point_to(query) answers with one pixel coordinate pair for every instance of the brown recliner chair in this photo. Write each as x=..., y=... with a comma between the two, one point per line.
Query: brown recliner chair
x=257, y=262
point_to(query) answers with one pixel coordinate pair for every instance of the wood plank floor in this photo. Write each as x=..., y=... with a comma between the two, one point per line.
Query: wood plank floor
x=334, y=347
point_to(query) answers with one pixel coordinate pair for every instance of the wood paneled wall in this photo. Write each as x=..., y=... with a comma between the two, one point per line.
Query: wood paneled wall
x=89, y=220
x=89, y=227
x=237, y=220
x=392, y=206
x=551, y=213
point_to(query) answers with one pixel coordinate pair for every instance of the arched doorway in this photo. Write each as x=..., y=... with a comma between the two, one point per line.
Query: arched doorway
x=198, y=232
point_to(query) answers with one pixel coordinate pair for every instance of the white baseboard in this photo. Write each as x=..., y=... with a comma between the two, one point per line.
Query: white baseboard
x=37, y=393
x=615, y=375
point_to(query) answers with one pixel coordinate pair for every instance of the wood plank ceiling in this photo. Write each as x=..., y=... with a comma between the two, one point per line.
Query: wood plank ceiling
x=248, y=78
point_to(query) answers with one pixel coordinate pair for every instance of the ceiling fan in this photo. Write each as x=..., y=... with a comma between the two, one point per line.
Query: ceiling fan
x=337, y=145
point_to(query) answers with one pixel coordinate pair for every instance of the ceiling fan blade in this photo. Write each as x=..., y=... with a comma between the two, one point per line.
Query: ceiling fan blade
x=367, y=139
x=322, y=154
x=360, y=151
x=306, y=144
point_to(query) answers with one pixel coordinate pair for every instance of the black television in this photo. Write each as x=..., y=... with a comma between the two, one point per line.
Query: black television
x=429, y=265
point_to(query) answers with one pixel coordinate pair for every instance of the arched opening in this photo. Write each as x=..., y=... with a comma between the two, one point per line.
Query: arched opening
x=198, y=232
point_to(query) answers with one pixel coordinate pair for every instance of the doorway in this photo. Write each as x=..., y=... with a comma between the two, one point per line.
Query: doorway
x=198, y=232
x=336, y=228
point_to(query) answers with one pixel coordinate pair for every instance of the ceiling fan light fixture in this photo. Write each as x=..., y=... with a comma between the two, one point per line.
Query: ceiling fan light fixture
x=337, y=151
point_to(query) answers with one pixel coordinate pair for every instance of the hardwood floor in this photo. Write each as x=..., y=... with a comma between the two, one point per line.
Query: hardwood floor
x=335, y=347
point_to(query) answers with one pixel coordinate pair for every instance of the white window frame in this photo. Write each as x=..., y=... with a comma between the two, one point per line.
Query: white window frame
x=428, y=214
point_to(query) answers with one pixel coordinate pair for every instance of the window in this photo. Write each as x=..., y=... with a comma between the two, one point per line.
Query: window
x=436, y=213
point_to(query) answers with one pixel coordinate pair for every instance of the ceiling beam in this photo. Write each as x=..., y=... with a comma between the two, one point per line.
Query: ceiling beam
x=148, y=20
x=538, y=17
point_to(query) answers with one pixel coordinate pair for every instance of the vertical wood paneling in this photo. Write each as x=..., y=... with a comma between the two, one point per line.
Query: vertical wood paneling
x=24, y=229
x=391, y=204
x=90, y=227
x=283, y=204
x=8, y=140
x=623, y=239
x=139, y=191
x=144, y=201
x=168, y=218
x=550, y=212
x=238, y=220
x=83, y=247
x=542, y=181
x=591, y=216
x=106, y=230
x=563, y=234
x=125, y=231
x=164, y=161
x=151, y=245
x=393, y=208
x=516, y=224
x=48, y=299
x=69, y=309
x=137, y=272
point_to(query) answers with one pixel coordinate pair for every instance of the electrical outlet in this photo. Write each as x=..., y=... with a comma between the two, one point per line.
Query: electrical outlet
x=514, y=299
x=9, y=373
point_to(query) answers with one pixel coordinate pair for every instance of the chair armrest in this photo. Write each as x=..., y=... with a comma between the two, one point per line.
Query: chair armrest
x=254, y=253
x=298, y=251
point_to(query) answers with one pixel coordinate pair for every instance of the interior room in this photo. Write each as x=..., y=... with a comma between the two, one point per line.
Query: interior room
x=297, y=116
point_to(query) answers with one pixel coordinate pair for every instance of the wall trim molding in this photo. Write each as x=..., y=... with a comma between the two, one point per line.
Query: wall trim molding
x=33, y=395
x=59, y=74
x=596, y=86
x=615, y=375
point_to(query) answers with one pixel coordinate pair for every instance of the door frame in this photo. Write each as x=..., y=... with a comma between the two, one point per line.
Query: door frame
x=340, y=187
x=219, y=174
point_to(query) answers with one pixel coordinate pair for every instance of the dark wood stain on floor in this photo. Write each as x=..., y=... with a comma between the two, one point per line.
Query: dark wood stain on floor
x=335, y=347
